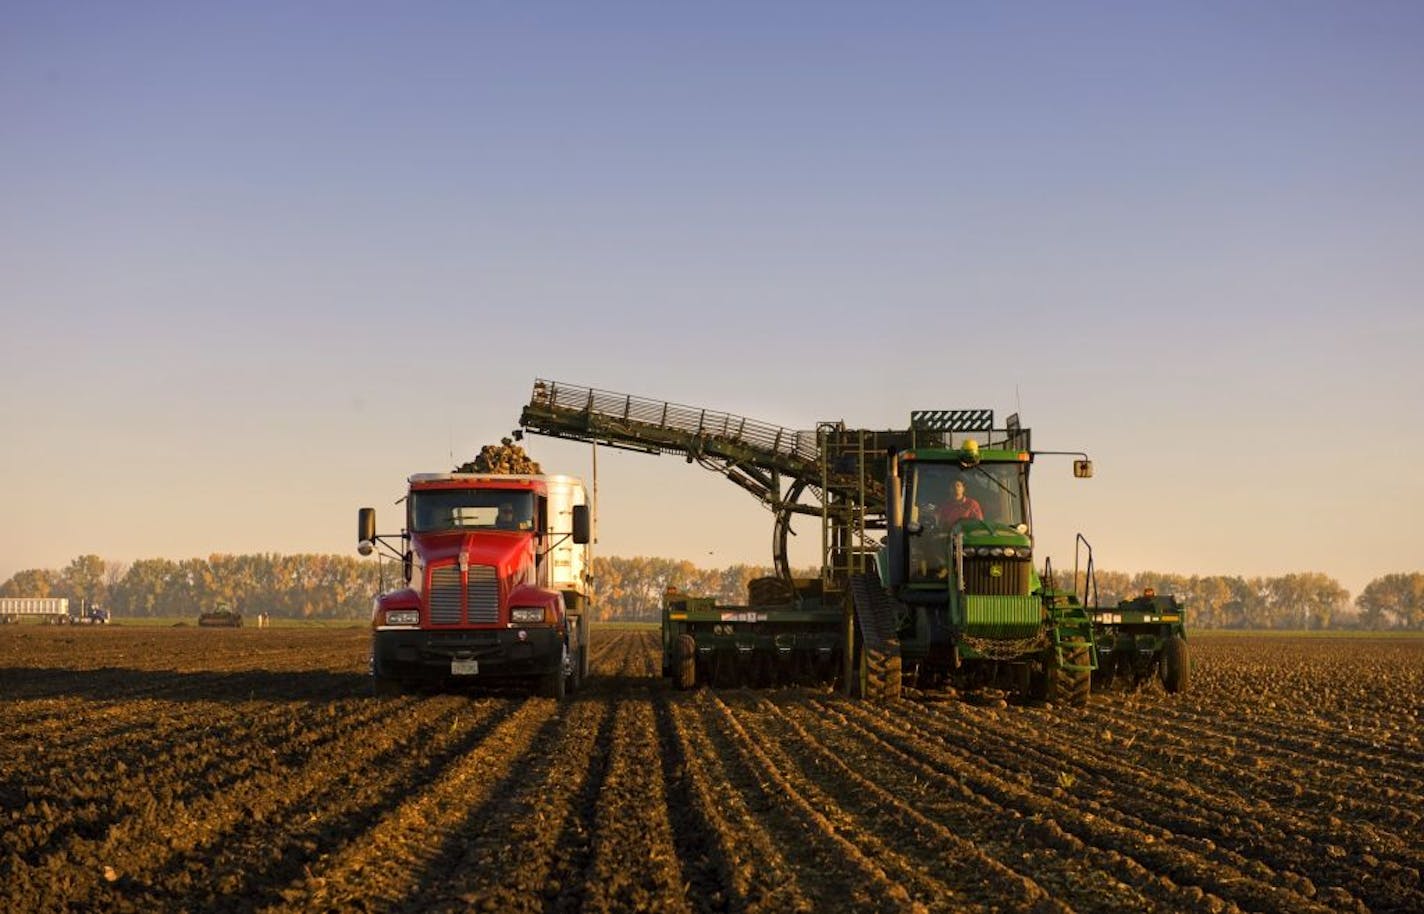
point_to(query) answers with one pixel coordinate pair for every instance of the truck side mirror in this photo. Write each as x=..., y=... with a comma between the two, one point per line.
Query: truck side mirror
x=1083, y=469
x=582, y=533
x=365, y=530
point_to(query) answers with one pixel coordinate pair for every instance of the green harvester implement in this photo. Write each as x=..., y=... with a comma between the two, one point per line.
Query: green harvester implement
x=916, y=588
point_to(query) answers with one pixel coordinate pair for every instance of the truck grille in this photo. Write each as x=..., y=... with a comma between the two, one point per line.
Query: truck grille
x=447, y=596
x=980, y=580
x=484, y=595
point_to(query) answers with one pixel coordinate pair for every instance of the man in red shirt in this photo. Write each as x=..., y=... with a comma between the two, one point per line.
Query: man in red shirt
x=959, y=508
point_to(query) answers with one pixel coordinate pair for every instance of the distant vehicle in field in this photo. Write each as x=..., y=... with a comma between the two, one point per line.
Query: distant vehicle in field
x=1142, y=637
x=222, y=617
x=51, y=610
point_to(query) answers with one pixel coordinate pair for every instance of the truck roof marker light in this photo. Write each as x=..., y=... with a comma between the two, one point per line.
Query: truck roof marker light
x=1024, y=457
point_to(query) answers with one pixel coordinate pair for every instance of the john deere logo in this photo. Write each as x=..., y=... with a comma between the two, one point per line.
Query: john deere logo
x=996, y=571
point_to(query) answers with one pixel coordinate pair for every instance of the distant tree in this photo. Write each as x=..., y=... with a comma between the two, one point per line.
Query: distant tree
x=85, y=579
x=1395, y=599
x=1307, y=600
x=142, y=589
x=32, y=582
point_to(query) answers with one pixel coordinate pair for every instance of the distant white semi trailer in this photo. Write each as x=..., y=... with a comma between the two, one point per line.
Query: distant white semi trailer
x=47, y=609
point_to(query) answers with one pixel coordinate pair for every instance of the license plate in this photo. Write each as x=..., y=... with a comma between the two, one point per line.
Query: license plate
x=464, y=667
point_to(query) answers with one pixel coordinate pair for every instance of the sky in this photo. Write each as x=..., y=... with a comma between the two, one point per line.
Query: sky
x=261, y=261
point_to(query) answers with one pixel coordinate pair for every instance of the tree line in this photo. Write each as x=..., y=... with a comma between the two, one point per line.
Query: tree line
x=317, y=586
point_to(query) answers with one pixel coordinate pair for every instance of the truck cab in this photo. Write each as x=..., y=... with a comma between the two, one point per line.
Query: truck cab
x=496, y=581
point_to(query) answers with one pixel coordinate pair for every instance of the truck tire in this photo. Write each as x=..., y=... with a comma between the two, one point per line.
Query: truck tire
x=574, y=680
x=1065, y=686
x=685, y=662
x=551, y=684
x=1176, y=665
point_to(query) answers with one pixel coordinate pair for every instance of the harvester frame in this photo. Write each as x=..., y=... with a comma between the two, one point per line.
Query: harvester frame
x=865, y=619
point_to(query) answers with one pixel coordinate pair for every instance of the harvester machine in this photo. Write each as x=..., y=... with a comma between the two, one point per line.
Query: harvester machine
x=927, y=551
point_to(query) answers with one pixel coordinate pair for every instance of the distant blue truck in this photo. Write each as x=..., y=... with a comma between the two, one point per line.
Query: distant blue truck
x=51, y=610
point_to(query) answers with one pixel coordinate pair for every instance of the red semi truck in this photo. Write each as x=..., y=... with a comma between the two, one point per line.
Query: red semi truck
x=497, y=584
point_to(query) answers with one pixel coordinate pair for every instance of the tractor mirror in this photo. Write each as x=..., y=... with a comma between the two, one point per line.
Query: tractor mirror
x=1083, y=469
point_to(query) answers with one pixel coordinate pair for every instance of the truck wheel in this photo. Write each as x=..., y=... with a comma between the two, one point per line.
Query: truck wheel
x=1065, y=686
x=685, y=663
x=574, y=678
x=551, y=684
x=1176, y=665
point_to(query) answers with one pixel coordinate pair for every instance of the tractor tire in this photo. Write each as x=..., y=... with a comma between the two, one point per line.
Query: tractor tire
x=1176, y=665
x=684, y=662
x=880, y=670
x=877, y=649
x=1065, y=686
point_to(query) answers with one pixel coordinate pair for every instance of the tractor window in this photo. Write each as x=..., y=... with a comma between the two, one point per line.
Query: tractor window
x=993, y=490
x=463, y=509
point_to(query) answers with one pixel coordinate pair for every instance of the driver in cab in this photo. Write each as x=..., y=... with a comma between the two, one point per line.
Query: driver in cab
x=508, y=521
x=960, y=507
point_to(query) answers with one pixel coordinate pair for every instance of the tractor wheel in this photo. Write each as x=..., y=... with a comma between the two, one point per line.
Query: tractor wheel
x=1176, y=665
x=685, y=662
x=1065, y=686
x=880, y=673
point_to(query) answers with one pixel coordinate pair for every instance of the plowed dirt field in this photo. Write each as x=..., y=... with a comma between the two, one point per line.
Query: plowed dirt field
x=241, y=770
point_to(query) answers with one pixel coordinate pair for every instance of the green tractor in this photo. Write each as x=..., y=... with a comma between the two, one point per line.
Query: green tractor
x=955, y=597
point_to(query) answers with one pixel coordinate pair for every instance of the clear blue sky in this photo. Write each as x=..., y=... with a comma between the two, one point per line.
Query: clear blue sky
x=260, y=261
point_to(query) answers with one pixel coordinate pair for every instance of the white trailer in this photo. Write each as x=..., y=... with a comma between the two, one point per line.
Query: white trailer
x=47, y=609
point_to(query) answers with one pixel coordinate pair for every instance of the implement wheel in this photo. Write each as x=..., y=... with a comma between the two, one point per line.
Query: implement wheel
x=1176, y=665
x=1065, y=686
x=685, y=662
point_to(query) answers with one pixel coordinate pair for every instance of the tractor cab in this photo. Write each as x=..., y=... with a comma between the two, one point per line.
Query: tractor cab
x=965, y=521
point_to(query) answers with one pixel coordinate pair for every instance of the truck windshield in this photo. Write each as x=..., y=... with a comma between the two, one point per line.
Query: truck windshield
x=946, y=493
x=457, y=509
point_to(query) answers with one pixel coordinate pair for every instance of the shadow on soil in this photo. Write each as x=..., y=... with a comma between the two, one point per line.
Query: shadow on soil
x=110, y=683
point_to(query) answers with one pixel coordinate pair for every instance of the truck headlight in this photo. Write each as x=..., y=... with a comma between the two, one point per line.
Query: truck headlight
x=526, y=614
x=402, y=617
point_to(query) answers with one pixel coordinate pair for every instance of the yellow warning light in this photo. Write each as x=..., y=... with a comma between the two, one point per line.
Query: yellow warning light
x=971, y=452
x=1023, y=456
